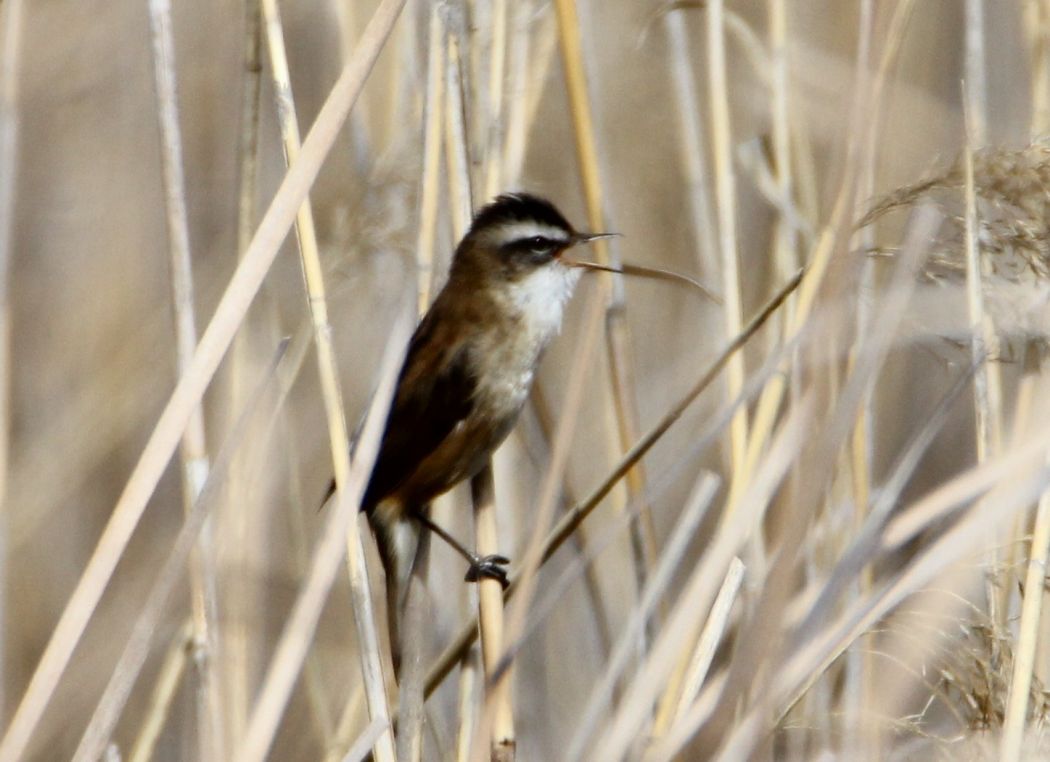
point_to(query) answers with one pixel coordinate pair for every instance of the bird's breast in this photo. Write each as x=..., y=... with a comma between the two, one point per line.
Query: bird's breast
x=507, y=352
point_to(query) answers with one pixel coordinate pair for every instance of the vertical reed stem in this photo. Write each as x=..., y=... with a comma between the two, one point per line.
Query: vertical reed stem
x=193, y=452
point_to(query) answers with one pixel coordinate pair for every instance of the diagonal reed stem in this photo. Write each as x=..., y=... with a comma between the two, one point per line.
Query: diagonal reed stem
x=191, y=386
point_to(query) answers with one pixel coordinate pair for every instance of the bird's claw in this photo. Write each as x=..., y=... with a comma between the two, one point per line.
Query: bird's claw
x=489, y=567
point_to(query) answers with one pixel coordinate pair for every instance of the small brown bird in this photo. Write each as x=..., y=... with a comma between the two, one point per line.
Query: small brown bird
x=469, y=368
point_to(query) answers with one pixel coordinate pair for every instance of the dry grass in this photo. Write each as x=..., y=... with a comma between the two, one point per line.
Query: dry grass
x=826, y=537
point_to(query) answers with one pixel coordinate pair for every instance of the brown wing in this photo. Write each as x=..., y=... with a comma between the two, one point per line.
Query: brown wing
x=435, y=391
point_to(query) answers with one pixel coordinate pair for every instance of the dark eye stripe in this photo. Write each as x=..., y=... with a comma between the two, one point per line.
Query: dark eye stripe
x=536, y=242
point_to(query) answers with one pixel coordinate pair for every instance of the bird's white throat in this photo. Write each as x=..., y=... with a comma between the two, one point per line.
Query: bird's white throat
x=541, y=296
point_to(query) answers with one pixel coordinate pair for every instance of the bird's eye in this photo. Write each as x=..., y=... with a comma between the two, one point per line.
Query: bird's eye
x=541, y=245
x=536, y=248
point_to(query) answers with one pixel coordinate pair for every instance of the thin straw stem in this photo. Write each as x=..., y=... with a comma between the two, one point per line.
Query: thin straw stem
x=725, y=191
x=602, y=691
x=1038, y=33
x=344, y=520
x=699, y=591
x=1027, y=638
x=136, y=650
x=502, y=738
x=186, y=396
x=165, y=689
x=710, y=636
x=339, y=441
x=242, y=527
x=526, y=579
x=986, y=385
x=490, y=604
x=193, y=452
x=433, y=120
x=10, y=55
x=692, y=141
x=857, y=697
x=622, y=385
x=976, y=78
x=578, y=513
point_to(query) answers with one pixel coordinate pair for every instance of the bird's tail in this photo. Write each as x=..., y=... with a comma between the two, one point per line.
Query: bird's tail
x=397, y=541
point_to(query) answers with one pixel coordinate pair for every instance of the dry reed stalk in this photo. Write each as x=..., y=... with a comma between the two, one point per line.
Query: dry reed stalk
x=592, y=582
x=599, y=701
x=193, y=453
x=986, y=385
x=500, y=732
x=701, y=663
x=467, y=706
x=725, y=193
x=498, y=699
x=265, y=717
x=460, y=191
x=10, y=56
x=241, y=526
x=1038, y=37
x=533, y=69
x=785, y=254
x=714, y=629
x=699, y=591
x=769, y=404
x=136, y=650
x=526, y=74
x=306, y=235
x=523, y=91
x=502, y=741
x=526, y=578
x=858, y=699
x=523, y=98
x=165, y=688
x=346, y=734
x=460, y=194
x=363, y=745
x=850, y=564
x=1011, y=481
x=976, y=79
x=433, y=115
x=186, y=396
x=361, y=131
x=692, y=141
x=1027, y=637
x=832, y=233
x=571, y=521
x=415, y=621
x=759, y=647
x=493, y=111
x=302, y=621
x=622, y=386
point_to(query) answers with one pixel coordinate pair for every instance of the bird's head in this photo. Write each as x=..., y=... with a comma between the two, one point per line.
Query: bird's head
x=517, y=236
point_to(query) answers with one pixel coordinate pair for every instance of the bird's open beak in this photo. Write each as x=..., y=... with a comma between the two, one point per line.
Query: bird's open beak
x=627, y=269
x=581, y=238
x=578, y=238
x=646, y=272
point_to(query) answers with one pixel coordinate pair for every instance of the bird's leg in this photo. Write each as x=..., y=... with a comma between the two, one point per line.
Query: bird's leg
x=481, y=567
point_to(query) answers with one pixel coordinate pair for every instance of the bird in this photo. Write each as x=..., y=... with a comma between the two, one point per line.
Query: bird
x=468, y=370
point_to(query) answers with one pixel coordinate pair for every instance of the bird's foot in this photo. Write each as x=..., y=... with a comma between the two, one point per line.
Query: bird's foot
x=489, y=567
